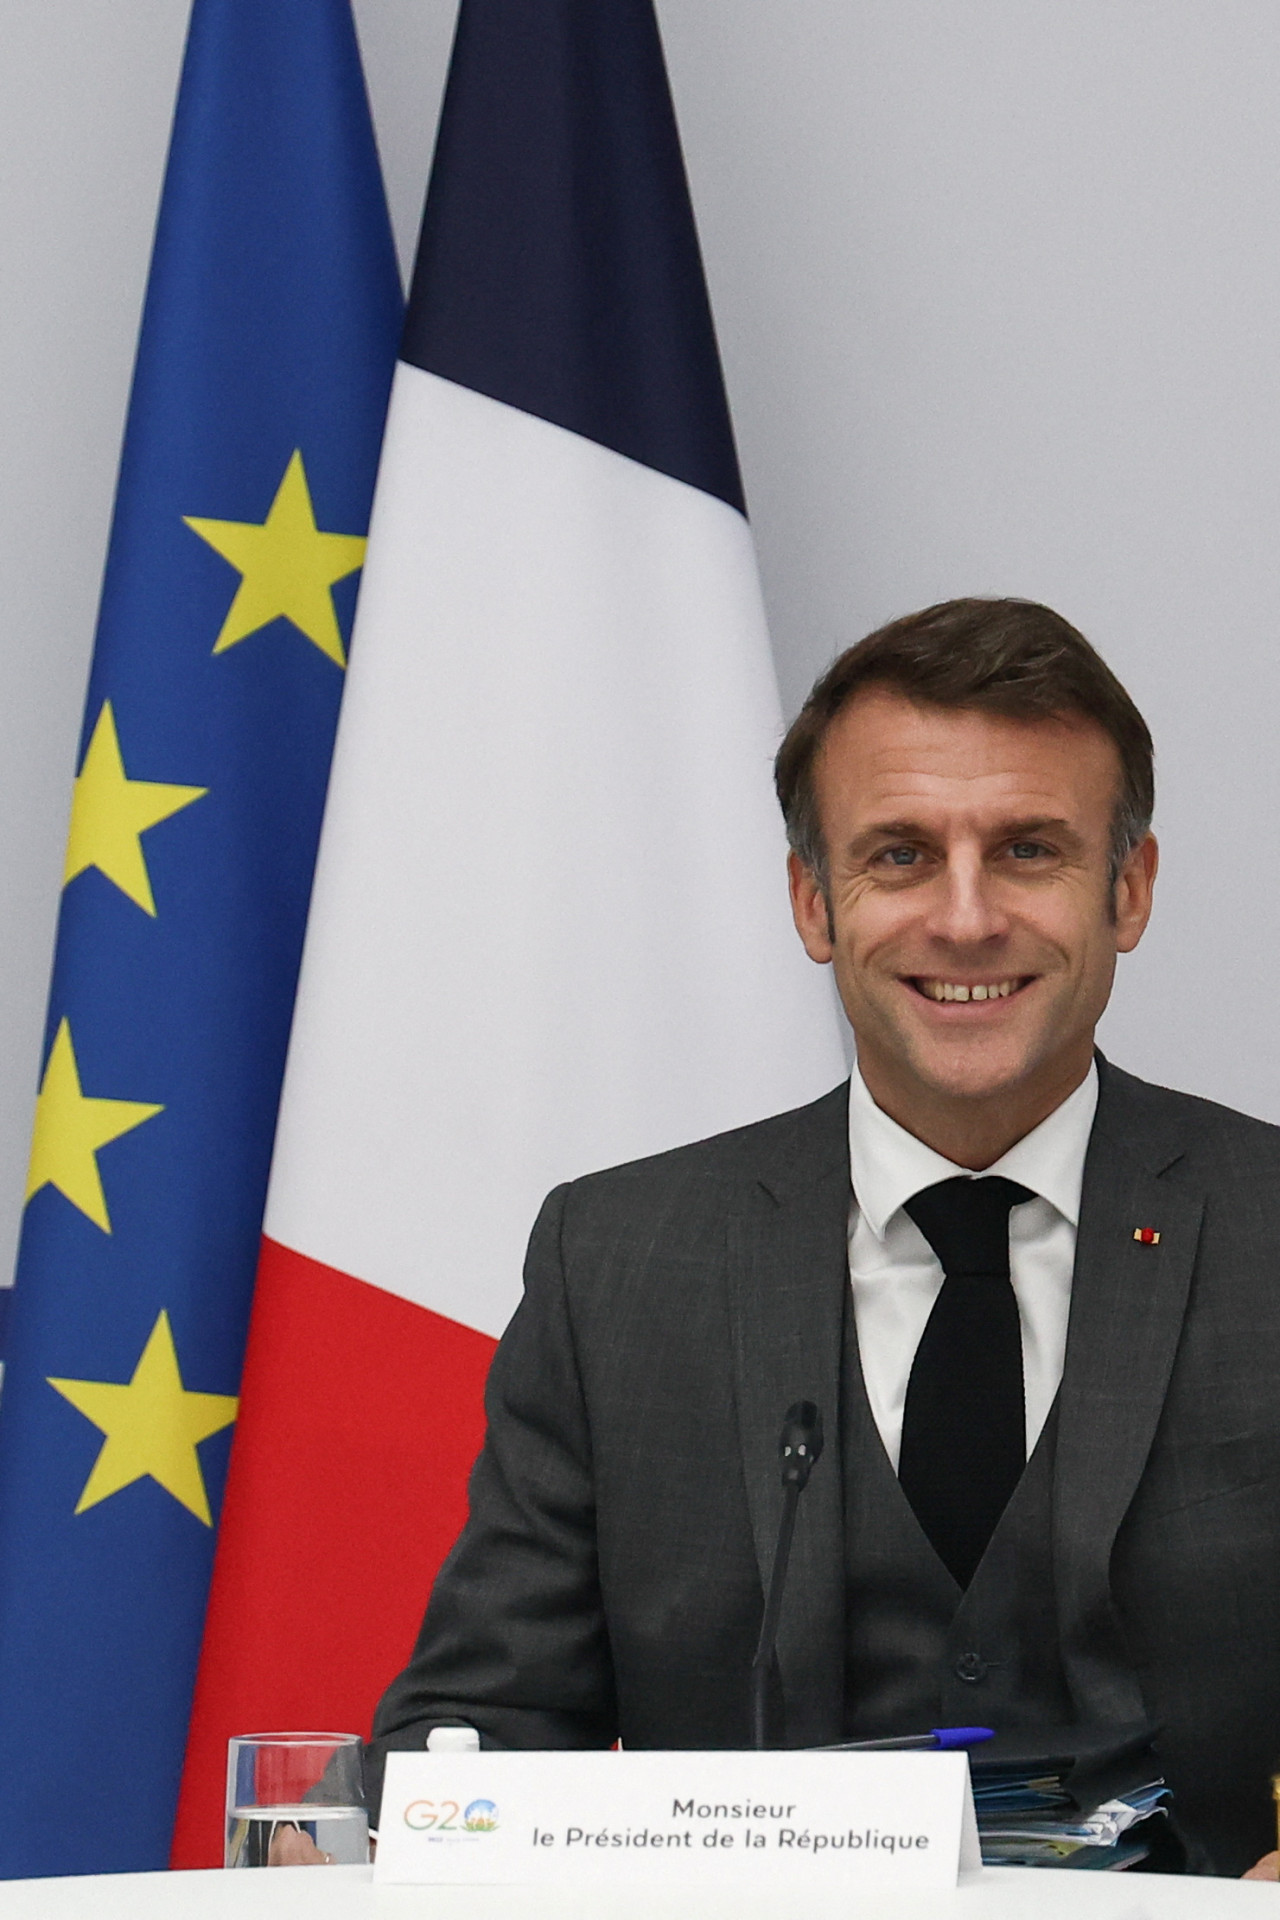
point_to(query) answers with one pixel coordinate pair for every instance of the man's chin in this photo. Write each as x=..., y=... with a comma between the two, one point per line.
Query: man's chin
x=913, y=1049
x=977, y=1069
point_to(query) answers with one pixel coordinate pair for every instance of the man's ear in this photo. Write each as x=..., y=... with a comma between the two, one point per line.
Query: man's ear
x=809, y=909
x=1134, y=884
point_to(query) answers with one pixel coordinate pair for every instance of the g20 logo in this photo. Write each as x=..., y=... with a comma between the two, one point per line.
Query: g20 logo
x=446, y=1816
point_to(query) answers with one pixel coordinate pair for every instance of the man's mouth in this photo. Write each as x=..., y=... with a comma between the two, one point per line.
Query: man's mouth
x=969, y=990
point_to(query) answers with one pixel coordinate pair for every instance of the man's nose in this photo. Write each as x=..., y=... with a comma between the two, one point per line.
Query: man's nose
x=965, y=909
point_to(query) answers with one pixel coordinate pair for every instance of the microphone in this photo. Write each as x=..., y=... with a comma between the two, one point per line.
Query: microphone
x=799, y=1446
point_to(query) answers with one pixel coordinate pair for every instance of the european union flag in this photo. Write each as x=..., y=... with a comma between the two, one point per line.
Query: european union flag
x=267, y=346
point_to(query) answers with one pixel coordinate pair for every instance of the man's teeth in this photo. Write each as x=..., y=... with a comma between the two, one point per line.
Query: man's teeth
x=948, y=990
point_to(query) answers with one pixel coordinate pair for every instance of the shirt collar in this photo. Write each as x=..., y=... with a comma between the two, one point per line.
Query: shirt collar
x=888, y=1164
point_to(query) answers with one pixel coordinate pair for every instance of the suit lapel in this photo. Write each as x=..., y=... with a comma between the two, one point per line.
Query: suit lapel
x=1128, y=1301
x=788, y=1273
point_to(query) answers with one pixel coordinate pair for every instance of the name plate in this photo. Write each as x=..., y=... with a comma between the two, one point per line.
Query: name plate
x=822, y=1819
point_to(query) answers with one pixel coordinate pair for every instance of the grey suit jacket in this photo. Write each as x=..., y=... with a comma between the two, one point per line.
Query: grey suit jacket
x=624, y=1508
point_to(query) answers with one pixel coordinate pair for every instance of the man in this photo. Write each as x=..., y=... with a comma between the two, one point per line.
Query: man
x=1051, y=1488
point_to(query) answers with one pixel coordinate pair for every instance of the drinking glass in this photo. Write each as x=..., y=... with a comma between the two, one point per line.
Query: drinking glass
x=295, y=1788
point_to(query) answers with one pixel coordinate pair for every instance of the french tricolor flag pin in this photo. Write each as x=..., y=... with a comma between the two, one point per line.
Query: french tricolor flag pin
x=1147, y=1236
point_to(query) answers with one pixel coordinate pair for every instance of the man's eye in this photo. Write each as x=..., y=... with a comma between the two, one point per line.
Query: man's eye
x=1027, y=849
x=900, y=856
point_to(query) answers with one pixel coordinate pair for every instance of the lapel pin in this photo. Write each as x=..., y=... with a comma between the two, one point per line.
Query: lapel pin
x=1147, y=1236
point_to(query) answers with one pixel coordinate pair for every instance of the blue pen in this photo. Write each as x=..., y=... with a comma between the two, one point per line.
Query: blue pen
x=939, y=1740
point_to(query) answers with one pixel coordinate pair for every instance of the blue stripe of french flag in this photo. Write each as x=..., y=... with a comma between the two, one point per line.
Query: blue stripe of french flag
x=549, y=930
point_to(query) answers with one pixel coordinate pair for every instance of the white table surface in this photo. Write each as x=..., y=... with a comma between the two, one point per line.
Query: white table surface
x=348, y=1893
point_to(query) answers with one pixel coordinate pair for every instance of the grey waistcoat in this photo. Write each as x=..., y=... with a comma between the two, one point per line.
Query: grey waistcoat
x=918, y=1652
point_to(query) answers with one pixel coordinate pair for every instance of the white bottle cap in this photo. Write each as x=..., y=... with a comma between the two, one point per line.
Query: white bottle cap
x=453, y=1740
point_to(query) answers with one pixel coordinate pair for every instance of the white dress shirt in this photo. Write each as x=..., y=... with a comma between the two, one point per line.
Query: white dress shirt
x=896, y=1276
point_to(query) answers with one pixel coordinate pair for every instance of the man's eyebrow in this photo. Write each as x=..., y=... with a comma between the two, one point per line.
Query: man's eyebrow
x=888, y=830
x=1041, y=823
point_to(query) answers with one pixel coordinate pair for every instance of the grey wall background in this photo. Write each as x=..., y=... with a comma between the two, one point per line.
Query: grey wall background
x=998, y=290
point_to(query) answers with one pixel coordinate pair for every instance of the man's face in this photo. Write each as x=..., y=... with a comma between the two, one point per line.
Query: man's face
x=972, y=928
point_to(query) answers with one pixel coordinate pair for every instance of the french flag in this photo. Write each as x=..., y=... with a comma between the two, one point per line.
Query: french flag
x=549, y=930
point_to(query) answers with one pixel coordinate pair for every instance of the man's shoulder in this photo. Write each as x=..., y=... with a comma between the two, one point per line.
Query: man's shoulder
x=801, y=1146
x=1197, y=1129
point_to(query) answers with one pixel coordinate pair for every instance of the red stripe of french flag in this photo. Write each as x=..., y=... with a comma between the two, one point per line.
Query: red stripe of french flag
x=350, y=1487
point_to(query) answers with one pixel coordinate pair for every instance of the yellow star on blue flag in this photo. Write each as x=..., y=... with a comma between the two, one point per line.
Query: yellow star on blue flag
x=71, y=1127
x=110, y=813
x=286, y=567
x=153, y=1426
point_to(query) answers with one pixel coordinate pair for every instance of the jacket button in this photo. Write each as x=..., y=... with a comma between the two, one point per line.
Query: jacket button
x=969, y=1667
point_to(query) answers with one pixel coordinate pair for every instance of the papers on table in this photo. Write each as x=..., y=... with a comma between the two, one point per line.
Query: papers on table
x=1091, y=1801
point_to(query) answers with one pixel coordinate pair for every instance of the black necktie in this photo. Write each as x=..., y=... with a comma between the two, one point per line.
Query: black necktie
x=964, y=1425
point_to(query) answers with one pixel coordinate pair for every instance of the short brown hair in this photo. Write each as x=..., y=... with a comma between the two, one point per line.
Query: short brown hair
x=1012, y=657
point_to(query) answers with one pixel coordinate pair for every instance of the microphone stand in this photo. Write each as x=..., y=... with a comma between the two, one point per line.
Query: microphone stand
x=799, y=1446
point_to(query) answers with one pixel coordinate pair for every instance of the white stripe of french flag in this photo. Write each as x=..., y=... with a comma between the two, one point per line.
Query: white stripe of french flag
x=549, y=930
